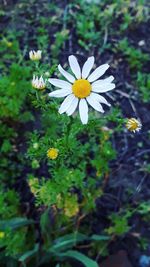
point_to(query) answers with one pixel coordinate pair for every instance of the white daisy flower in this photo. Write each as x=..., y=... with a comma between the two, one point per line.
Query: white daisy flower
x=83, y=89
x=38, y=83
x=35, y=55
x=133, y=125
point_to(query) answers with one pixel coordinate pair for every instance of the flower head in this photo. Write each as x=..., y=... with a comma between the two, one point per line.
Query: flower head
x=38, y=83
x=52, y=153
x=35, y=55
x=35, y=145
x=83, y=89
x=133, y=125
x=35, y=164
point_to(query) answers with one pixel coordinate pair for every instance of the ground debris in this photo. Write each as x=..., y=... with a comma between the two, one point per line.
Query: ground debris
x=117, y=260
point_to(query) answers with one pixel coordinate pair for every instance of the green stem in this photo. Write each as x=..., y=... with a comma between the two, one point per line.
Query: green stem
x=68, y=131
x=37, y=96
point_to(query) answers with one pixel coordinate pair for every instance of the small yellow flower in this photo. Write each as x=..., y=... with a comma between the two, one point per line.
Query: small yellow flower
x=38, y=83
x=133, y=125
x=35, y=55
x=52, y=153
x=2, y=234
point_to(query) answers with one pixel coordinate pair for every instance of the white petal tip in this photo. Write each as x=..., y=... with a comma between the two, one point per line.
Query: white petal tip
x=92, y=57
x=71, y=57
x=59, y=67
x=60, y=112
x=108, y=104
x=85, y=123
x=112, y=78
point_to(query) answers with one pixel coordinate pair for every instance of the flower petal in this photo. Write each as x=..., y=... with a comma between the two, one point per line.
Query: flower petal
x=66, y=74
x=60, y=83
x=103, y=88
x=60, y=93
x=66, y=103
x=103, y=81
x=83, y=111
x=88, y=65
x=73, y=106
x=98, y=72
x=94, y=103
x=74, y=65
x=100, y=99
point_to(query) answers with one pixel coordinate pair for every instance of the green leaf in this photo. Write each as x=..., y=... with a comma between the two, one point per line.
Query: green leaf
x=68, y=241
x=14, y=223
x=7, y=261
x=80, y=257
x=63, y=243
x=44, y=221
x=29, y=253
x=99, y=237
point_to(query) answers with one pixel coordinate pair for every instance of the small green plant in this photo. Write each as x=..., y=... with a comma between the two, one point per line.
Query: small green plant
x=144, y=210
x=120, y=224
x=146, y=168
x=86, y=31
x=60, y=38
x=15, y=237
x=9, y=204
x=11, y=89
x=135, y=57
x=143, y=85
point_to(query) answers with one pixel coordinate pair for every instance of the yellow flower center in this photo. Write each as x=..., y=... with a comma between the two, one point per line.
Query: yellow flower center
x=52, y=153
x=81, y=88
x=132, y=124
